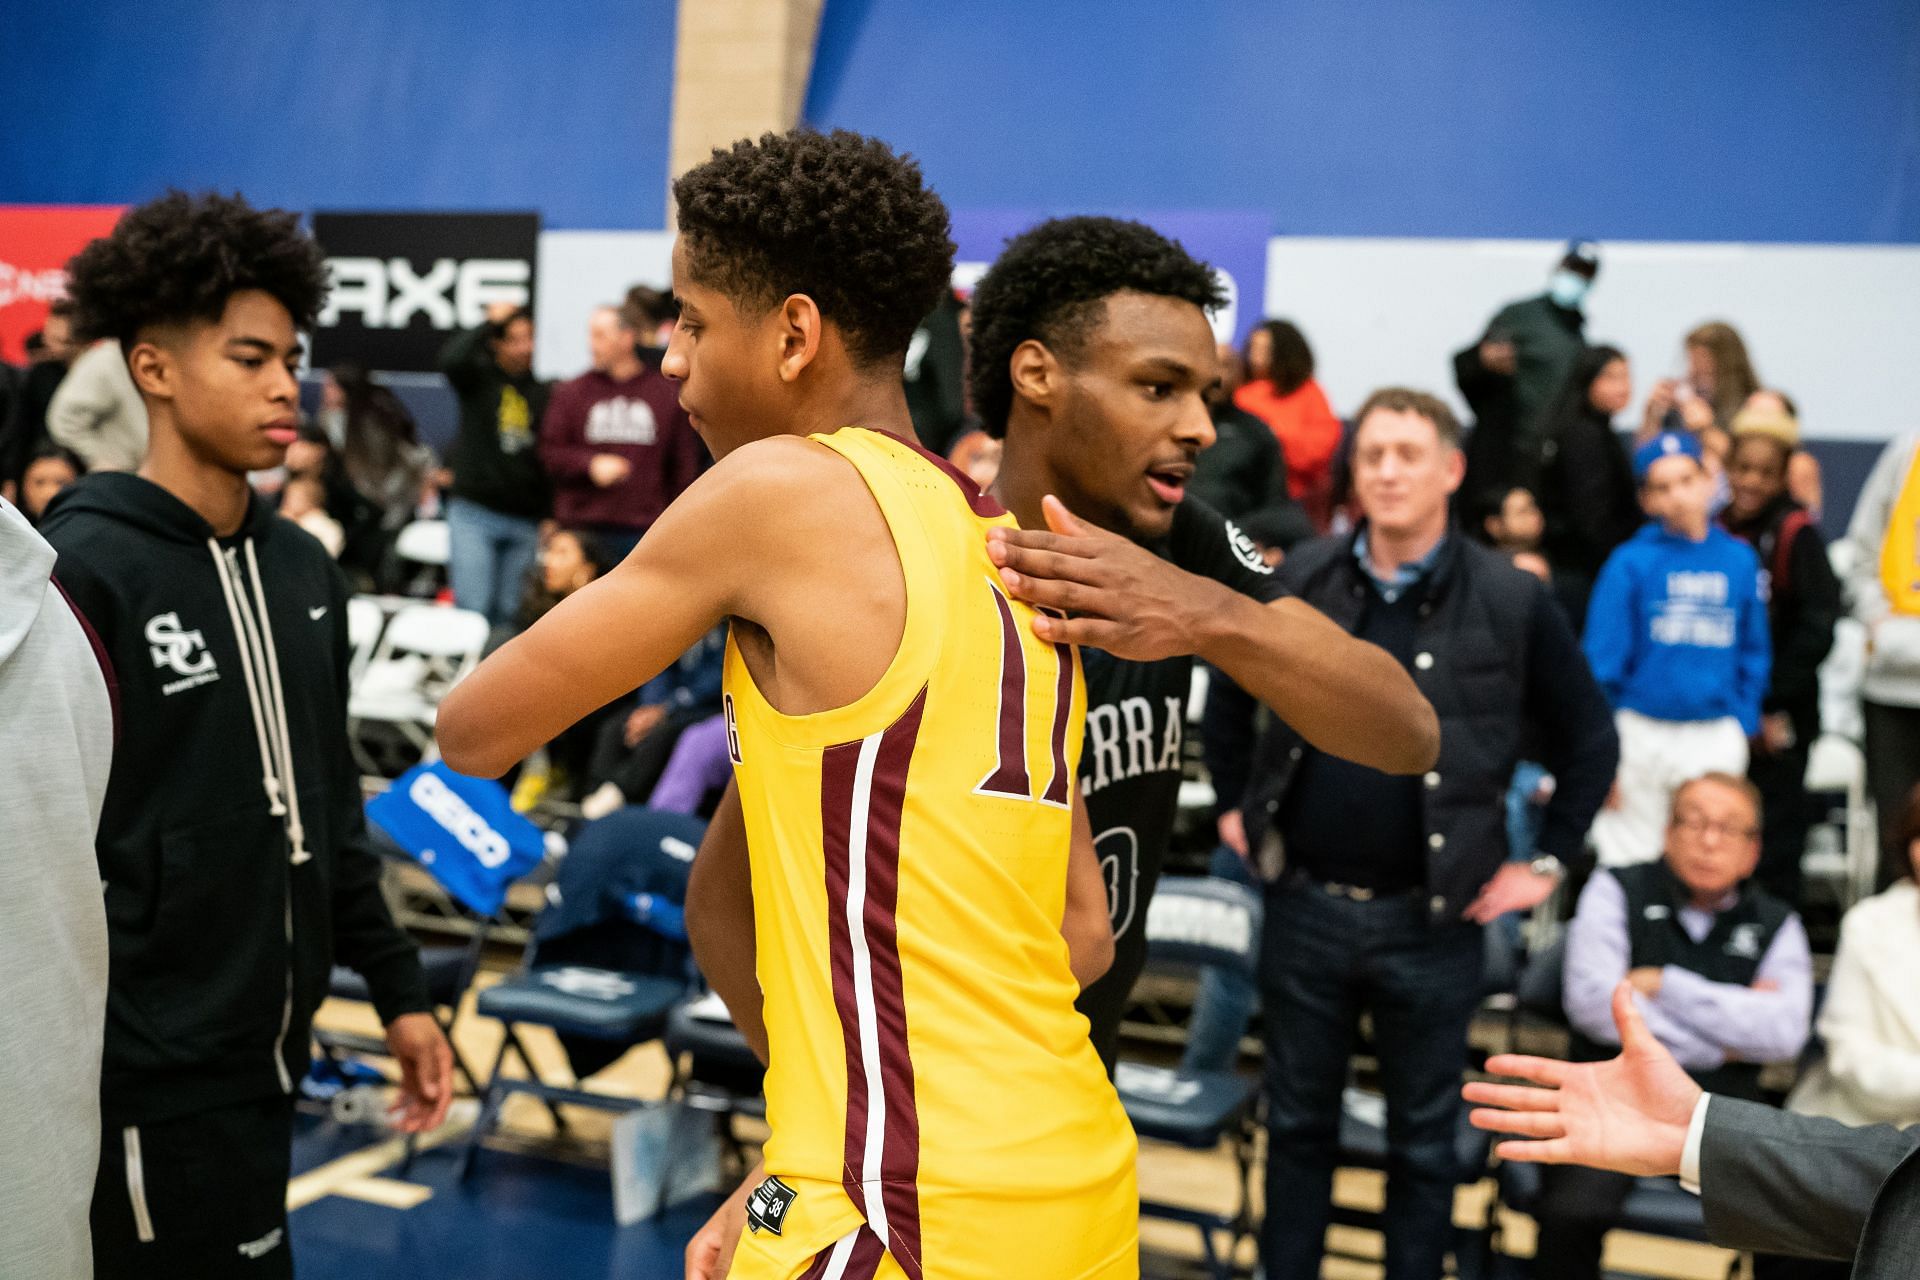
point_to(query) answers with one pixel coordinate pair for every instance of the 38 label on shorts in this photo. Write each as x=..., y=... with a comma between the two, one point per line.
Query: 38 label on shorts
x=767, y=1206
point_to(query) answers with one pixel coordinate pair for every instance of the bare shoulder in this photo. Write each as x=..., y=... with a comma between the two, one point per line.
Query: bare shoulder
x=786, y=466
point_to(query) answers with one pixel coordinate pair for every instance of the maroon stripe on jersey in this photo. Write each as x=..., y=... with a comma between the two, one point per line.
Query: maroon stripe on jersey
x=864, y=1262
x=1058, y=788
x=818, y=1267
x=838, y=766
x=900, y=1150
x=1009, y=776
x=982, y=504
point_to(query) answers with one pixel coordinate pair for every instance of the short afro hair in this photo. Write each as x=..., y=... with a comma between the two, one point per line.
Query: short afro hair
x=1051, y=284
x=180, y=257
x=836, y=216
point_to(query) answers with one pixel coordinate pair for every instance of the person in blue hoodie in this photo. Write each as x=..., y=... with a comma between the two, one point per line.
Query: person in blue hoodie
x=1677, y=636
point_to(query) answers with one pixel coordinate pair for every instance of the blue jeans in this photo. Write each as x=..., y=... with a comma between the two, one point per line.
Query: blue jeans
x=489, y=557
x=1225, y=1002
x=1325, y=961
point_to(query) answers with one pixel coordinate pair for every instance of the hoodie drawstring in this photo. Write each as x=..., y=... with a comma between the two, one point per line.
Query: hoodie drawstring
x=296, y=830
x=260, y=673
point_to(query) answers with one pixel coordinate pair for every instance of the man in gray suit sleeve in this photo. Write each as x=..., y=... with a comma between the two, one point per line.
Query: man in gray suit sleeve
x=1769, y=1181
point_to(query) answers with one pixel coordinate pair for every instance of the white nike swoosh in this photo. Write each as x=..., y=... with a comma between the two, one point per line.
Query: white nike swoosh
x=317, y=614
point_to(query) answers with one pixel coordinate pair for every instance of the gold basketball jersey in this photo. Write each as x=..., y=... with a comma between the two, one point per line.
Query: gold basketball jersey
x=909, y=857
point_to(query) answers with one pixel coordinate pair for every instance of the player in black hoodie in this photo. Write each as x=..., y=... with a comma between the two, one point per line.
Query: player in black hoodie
x=231, y=846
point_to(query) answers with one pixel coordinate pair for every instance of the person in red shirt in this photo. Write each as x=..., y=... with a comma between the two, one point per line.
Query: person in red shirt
x=1280, y=391
x=615, y=440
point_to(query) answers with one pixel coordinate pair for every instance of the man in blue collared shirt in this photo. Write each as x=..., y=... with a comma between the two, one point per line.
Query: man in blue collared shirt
x=1378, y=887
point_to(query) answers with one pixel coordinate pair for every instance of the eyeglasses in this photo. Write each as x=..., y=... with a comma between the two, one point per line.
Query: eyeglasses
x=1696, y=825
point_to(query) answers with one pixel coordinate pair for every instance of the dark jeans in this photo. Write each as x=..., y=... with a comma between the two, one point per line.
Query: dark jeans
x=203, y=1197
x=1325, y=961
x=1893, y=766
x=1782, y=779
x=1578, y=1207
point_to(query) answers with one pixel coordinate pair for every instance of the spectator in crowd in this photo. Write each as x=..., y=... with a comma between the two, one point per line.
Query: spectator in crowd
x=1586, y=480
x=569, y=559
x=651, y=314
x=632, y=746
x=380, y=452
x=1280, y=390
x=303, y=500
x=936, y=377
x=1510, y=377
x=1869, y=1069
x=56, y=751
x=313, y=458
x=1244, y=471
x=1719, y=379
x=1803, y=604
x=1378, y=887
x=697, y=772
x=47, y=472
x=1677, y=635
x=97, y=413
x=1514, y=527
x=1723, y=975
x=231, y=842
x=1883, y=584
x=23, y=428
x=615, y=440
x=499, y=493
x=978, y=455
x=1803, y=469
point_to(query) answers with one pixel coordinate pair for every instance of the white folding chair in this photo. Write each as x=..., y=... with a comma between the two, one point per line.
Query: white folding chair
x=365, y=621
x=424, y=542
x=425, y=650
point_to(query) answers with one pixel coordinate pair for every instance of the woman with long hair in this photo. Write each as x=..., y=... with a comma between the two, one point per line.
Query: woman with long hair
x=379, y=446
x=1587, y=495
x=1280, y=391
x=1719, y=379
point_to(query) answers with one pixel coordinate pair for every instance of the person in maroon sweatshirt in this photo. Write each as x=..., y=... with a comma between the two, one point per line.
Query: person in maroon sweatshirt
x=615, y=440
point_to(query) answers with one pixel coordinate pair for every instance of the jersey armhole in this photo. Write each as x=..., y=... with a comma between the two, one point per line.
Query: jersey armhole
x=906, y=673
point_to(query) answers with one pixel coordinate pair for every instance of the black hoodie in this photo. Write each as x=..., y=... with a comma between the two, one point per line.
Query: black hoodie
x=232, y=843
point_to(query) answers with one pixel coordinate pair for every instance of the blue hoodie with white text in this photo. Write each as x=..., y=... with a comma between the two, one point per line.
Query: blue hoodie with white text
x=1677, y=629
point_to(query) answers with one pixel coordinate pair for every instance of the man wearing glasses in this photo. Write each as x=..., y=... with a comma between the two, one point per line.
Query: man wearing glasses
x=1722, y=974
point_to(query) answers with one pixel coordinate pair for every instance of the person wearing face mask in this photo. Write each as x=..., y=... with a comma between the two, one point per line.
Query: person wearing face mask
x=1511, y=376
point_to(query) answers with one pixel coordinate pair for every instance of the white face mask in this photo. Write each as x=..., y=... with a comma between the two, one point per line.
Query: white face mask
x=1568, y=288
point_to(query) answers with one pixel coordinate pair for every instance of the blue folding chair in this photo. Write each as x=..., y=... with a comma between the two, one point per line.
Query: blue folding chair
x=593, y=973
x=1198, y=922
x=463, y=832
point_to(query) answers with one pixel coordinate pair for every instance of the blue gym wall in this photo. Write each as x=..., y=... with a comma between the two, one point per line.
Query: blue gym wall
x=390, y=104
x=1770, y=120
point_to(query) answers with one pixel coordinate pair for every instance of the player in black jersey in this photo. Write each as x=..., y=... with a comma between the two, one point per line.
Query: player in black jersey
x=1092, y=355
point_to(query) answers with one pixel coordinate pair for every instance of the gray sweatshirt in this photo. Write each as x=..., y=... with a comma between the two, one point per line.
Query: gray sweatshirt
x=1893, y=649
x=98, y=413
x=56, y=745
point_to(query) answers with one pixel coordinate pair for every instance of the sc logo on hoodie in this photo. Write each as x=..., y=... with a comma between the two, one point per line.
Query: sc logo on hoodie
x=181, y=651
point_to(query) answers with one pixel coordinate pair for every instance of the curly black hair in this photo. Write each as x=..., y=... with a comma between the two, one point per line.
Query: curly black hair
x=1051, y=284
x=181, y=257
x=839, y=217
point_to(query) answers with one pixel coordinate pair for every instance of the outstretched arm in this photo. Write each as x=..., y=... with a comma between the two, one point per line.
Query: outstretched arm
x=699, y=564
x=1343, y=695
